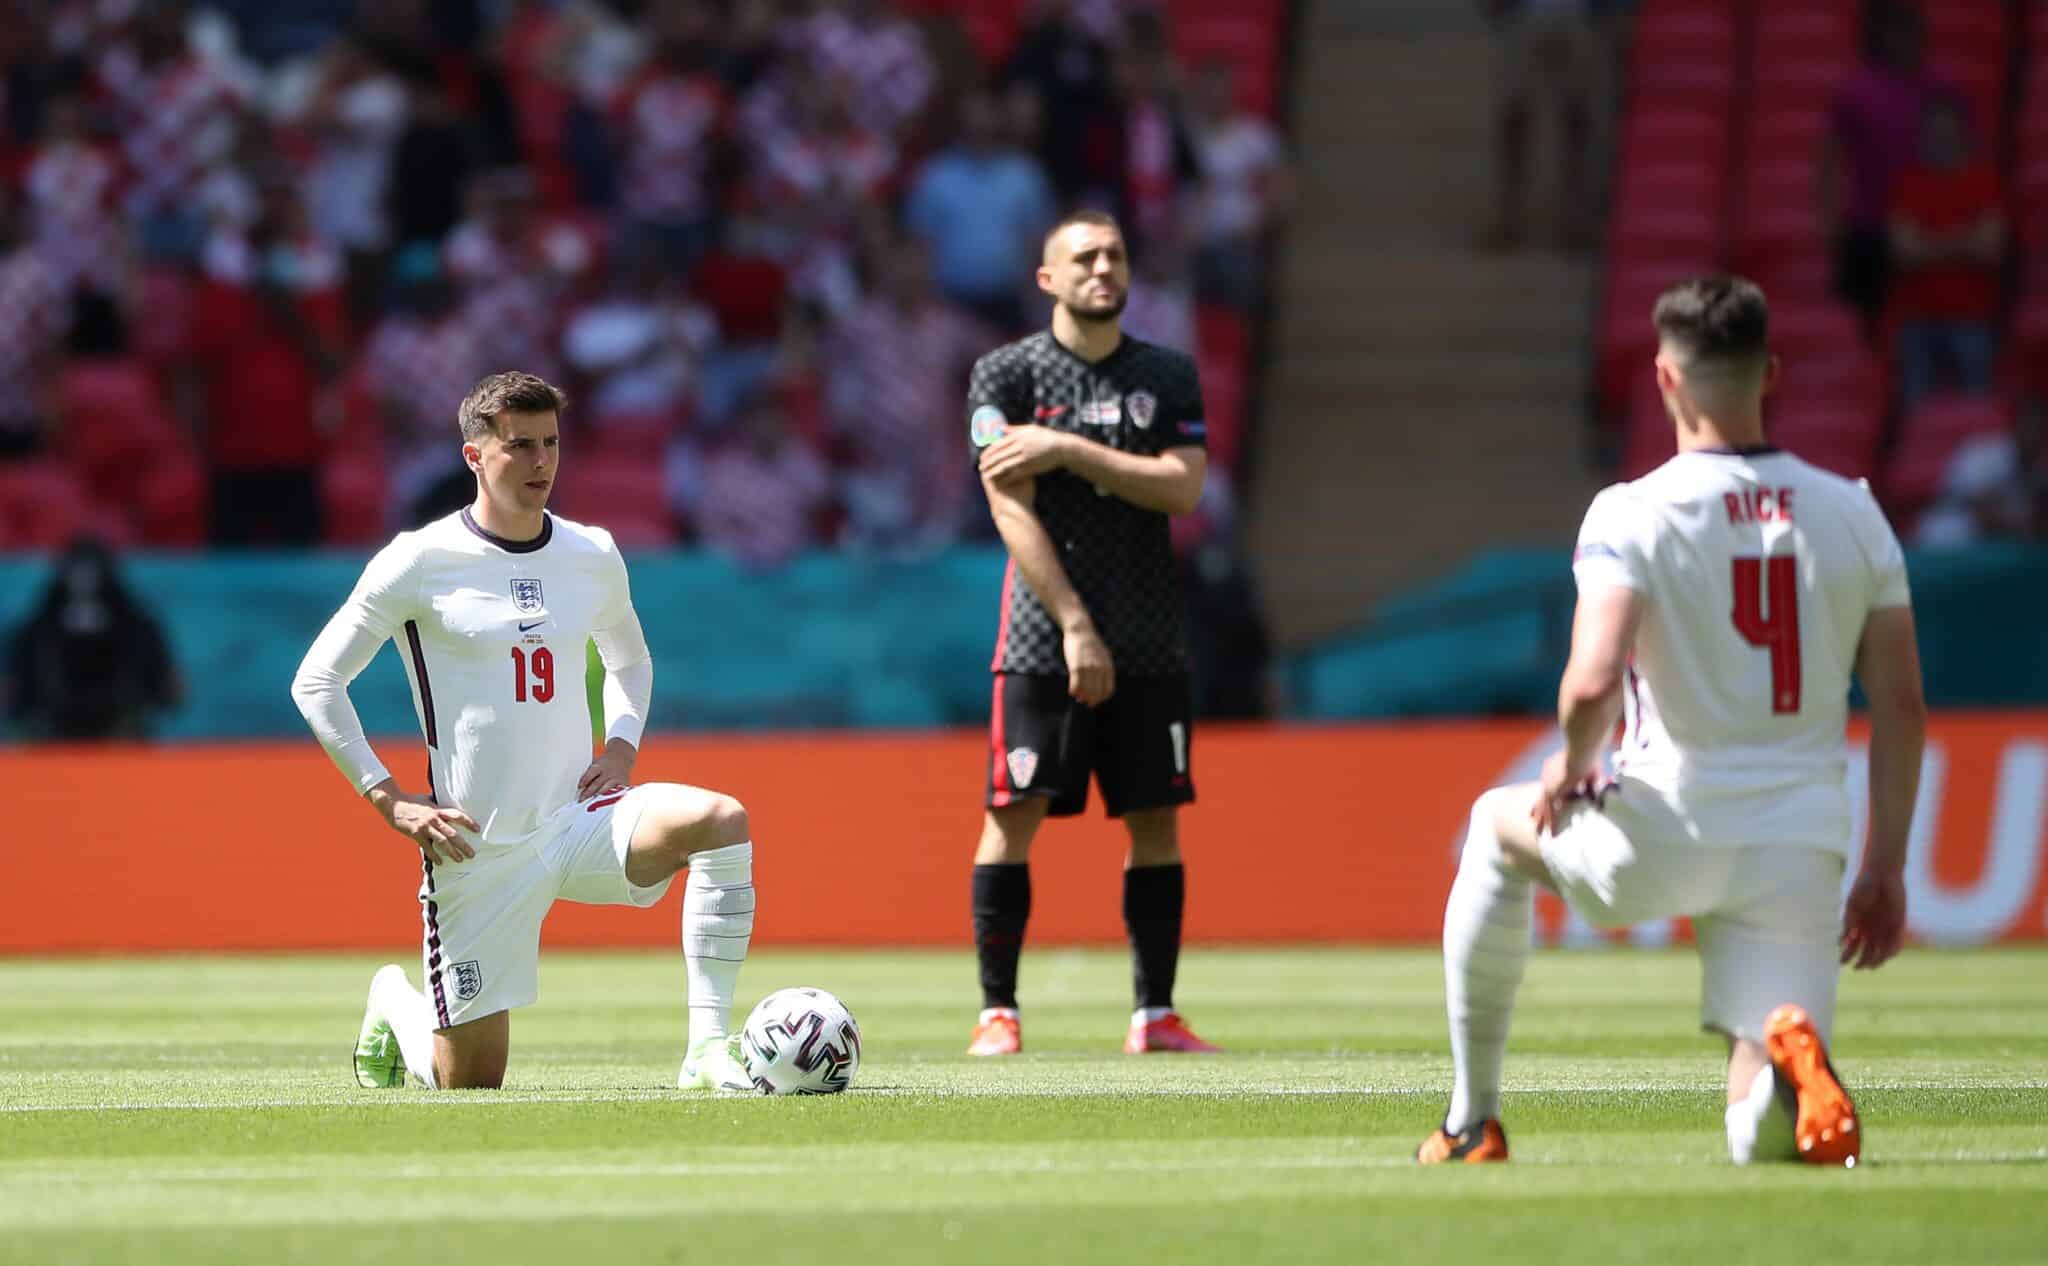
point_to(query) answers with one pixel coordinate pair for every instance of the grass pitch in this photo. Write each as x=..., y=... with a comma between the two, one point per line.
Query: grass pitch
x=167, y=1111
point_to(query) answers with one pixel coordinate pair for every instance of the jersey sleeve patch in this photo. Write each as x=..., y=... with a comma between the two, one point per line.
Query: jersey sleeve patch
x=986, y=425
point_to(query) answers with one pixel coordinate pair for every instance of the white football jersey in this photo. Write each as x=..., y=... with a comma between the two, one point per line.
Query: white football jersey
x=1757, y=572
x=491, y=633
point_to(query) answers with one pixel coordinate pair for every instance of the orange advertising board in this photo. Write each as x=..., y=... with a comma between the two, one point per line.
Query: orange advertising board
x=1346, y=833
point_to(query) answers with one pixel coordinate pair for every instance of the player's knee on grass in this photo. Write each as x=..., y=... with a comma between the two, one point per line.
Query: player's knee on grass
x=473, y=1056
x=677, y=823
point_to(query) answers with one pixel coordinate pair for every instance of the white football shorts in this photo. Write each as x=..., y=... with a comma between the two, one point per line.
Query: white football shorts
x=1766, y=920
x=482, y=917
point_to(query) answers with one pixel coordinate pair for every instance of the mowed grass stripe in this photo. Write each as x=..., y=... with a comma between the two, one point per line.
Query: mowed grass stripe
x=238, y=1137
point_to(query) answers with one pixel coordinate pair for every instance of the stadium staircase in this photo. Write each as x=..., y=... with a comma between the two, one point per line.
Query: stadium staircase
x=1424, y=400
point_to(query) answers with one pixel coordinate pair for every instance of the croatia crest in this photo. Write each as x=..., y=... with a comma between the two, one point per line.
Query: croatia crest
x=1141, y=405
x=1023, y=763
x=526, y=595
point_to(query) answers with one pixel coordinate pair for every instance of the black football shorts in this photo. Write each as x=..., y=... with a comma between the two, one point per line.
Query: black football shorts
x=1138, y=744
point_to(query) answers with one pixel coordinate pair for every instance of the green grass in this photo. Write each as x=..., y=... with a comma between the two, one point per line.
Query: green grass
x=166, y=1111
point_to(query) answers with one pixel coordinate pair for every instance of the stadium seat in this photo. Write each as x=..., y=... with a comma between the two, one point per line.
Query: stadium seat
x=1929, y=438
x=627, y=495
x=112, y=414
x=640, y=435
x=43, y=504
x=1843, y=438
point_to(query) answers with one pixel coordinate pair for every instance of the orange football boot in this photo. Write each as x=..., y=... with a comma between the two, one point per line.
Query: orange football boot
x=1827, y=1131
x=997, y=1035
x=1474, y=1145
x=1168, y=1033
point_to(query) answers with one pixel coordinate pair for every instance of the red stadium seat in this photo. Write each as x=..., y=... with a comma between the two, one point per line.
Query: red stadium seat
x=1843, y=439
x=1224, y=340
x=606, y=488
x=43, y=504
x=644, y=436
x=1933, y=432
x=133, y=455
x=1697, y=134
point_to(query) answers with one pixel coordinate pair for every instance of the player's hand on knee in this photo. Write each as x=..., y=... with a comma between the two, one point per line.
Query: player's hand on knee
x=1091, y=676
x=1873, y=920
x=433, y=828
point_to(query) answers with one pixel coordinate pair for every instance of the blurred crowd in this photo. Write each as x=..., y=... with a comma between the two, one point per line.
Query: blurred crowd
x=252, y=254
x=1881, y=168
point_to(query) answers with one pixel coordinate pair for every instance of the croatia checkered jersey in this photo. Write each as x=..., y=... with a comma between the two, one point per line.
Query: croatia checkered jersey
x=491, y=634
x=1757, y=572
x=1142, y=399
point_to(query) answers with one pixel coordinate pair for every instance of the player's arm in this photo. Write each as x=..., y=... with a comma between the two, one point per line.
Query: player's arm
x=1888, y=666
x=1610, y=566
x=1589, y=695
x=628, y=688
x=1170, y=483
x=1091, y=678
x=320, y=689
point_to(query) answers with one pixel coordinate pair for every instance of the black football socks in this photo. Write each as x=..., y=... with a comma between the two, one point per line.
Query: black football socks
x=1153, y=900
x=1002, y=906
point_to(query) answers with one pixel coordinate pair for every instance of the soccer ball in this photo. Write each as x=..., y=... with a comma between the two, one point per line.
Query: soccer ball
x=800, y=1042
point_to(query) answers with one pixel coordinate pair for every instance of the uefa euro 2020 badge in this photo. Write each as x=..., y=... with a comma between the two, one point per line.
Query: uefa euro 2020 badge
x=985, y=426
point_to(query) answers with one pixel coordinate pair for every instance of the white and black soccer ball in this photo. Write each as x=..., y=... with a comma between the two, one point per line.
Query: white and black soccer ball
x=800, y=1042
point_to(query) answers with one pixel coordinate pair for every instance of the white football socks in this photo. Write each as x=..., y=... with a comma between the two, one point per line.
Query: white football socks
x=410, y=1016
x=718, y=925
x=1761, y=1125
x=1486, y=949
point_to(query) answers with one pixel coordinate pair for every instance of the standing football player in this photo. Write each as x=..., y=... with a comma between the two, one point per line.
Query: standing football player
x=490, y=609
x=1088, y=440
x=1725, y=599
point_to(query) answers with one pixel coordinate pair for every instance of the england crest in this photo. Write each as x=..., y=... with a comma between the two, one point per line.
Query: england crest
x=469, y=979
x=526, y=595
x=1023, y=763
x=1141, y=405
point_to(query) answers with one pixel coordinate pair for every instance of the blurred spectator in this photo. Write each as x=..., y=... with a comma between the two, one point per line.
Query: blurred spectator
x=634, y=349
x=1948, y=235
x=1247, y=189
x=879, y=53
x=430, y=168
x=896, y=371
x=89, y=663
x=33, y=316
x=825, y=161
x=1873, y=134
x=747, y=286
x=1161, y=305
x=70, y=184
x=763, y=489
x=983, y=207
x=419, y=363
x=267, y=341
x=672, y=119
x=358, y=113
x=177, y=117
x=1549, y=59
x=1984, y=497
x=1157, y=166
x=518, y=266
x=1067, y=68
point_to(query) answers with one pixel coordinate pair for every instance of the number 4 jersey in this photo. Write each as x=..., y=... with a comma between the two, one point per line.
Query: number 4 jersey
x=1757, y=573
x=491, y=633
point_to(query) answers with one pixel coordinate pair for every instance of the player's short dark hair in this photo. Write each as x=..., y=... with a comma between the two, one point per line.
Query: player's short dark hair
x=509, y=392
x=1085, y=215
x=1717, y=319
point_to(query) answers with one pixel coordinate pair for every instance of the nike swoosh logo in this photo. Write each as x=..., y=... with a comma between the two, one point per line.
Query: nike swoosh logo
x=528, y=628
x=1044, y=414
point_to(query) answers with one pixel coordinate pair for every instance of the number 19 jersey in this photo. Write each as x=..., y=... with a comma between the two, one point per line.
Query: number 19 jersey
x=1757, y=572
x=491, y=633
